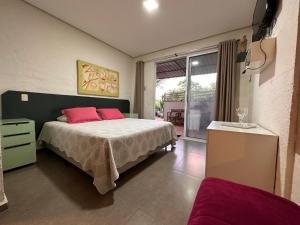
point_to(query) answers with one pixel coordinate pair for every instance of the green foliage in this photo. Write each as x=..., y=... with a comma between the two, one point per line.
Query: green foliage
x=159, y=104
x=194, y=86
x=178, y=94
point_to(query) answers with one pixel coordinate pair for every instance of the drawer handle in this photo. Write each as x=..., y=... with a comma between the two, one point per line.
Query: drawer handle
x=15, y=123
x=15, y=146
x=11, y=135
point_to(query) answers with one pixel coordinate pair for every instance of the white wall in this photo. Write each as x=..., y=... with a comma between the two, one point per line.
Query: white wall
x=151, y=59
x=39, y=52
x=272, y=95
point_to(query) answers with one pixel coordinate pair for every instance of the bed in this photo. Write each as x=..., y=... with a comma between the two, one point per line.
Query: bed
x=104, y=149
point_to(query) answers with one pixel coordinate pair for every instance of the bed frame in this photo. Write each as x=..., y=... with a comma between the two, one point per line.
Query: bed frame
x=121, y=169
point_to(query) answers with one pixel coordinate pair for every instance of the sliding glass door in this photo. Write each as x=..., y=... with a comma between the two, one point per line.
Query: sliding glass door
x=200, y=94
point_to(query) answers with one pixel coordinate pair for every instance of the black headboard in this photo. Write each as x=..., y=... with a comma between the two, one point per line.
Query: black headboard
x=47, y=107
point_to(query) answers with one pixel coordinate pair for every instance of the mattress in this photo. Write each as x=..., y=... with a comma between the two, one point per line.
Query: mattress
x=102, y=147
x=221, y=202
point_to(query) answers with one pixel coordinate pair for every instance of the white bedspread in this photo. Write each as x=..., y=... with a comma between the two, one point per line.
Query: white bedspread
x=103, y=146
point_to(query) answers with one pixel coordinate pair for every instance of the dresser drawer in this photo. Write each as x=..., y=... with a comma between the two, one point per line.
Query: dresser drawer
x=17, y=128
x=18, y=156
x=14, y=140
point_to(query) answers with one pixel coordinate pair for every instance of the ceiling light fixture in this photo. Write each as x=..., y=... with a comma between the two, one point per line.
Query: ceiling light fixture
x=150, y=5
x=195, y=63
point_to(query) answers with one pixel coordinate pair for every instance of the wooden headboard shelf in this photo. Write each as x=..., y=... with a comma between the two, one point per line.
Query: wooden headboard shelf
x=42, y=107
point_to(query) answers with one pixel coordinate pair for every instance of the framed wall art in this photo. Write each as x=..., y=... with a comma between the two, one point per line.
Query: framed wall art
x=96, y=80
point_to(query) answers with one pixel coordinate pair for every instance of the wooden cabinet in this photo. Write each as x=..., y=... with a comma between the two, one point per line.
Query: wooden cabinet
x=18, y=143
x=245, y=156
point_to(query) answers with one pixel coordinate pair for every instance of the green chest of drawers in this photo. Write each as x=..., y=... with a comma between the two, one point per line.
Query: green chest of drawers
x=18, y=143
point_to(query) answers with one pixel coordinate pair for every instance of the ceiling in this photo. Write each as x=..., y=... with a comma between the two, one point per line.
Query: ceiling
x=127, y=26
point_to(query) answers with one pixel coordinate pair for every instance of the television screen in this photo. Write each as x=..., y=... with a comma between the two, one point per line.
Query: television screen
x=263, y=16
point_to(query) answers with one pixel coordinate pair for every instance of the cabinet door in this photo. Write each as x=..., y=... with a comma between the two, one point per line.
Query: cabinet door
x=248, y=159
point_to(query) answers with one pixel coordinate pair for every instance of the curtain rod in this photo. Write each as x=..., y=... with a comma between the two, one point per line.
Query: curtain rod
x=179, y=54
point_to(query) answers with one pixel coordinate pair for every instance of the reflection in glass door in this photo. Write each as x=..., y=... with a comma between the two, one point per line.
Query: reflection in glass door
x=200, y=96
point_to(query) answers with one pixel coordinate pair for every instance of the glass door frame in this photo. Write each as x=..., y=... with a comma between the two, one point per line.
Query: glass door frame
x=188, y=81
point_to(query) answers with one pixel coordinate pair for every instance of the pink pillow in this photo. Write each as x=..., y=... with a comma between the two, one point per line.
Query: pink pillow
x=81, y=114
x=110, y=114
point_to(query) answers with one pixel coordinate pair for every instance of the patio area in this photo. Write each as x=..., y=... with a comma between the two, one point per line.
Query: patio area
x=179, y=128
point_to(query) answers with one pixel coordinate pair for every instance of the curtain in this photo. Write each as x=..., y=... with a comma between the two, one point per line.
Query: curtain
x=139, y=90
x=226, y=81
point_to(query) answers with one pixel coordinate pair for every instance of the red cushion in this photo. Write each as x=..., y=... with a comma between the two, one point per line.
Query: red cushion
x=110, y=113
x=221, y=202
x=80, y=115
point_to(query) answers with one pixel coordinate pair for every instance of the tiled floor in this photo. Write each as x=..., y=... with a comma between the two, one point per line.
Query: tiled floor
x=179, y=130
x=160, y=190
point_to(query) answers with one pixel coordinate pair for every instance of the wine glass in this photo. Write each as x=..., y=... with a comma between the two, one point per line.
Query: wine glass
x=241, y=113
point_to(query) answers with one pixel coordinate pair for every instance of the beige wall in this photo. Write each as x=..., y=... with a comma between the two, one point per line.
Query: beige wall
x=151, y=59
x=39, y=52
x=272, y=95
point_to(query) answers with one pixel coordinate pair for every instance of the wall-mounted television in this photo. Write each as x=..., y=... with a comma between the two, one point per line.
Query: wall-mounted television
x=263, y=18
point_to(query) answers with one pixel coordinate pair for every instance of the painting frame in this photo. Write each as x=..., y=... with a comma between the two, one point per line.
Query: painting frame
x=97, y=80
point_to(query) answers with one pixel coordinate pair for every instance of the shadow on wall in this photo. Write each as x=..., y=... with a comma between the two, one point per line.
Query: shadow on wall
x=268, y=73
x=290, y=161
x=278, y=189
